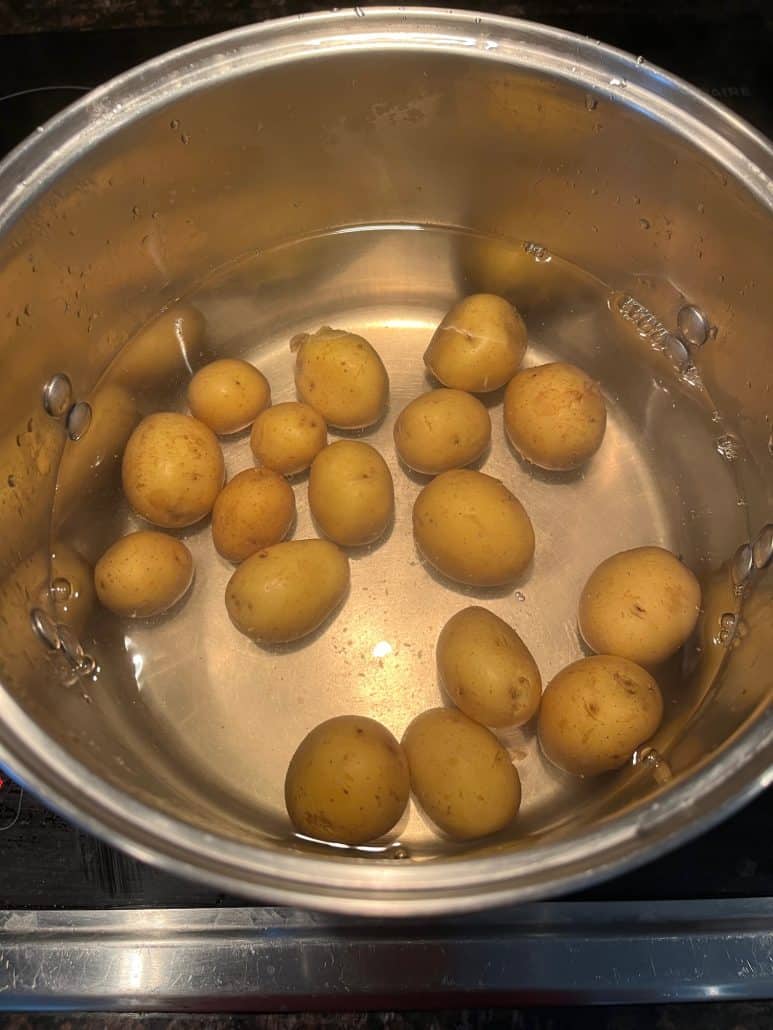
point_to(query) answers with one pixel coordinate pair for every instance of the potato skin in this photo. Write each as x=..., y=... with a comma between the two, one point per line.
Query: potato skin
x=487, y=670
x=228, y=394
x=640, y=604
x=351, y=494
x=441, y=430
x=284, y=592
x=287, y=437
x=341, y=376
x=555, y=416
x=254, y=510
x=472, y=529
x=479, y=345
x=461, y=775
x=143, y=574
x=347, y=782
x=596, y=712
x=172, y=470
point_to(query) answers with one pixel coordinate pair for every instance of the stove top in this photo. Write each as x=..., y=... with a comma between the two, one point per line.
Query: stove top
x=84, y=925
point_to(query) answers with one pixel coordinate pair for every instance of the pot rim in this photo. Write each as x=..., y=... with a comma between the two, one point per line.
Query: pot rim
x=343, y=884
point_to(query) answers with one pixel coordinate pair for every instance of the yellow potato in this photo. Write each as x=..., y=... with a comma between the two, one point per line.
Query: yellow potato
x=487, y=670
x=228, y=395
x=442, y=430
x=255, y=510
x=479, y=344
x=596, y=712
x=461, y=775
x=172, y=470
x=472, y=529
x=285, y=592
x=351, y=495
x=555, y=415
x=163, y=352
x=640, y=604
x=341, y=376
x=288, y=437
x=347, y=782
x=143, y=574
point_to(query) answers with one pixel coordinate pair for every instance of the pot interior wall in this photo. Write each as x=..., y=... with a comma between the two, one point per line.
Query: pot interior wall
x=231, y=197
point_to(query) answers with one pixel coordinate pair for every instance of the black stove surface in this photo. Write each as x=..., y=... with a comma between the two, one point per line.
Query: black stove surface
x=722, y=48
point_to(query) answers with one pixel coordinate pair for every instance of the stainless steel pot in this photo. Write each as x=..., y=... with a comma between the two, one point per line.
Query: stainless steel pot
x=415, y=154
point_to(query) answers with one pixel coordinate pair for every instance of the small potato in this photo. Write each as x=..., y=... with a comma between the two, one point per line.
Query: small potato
x=441, y=430
x=285, y=592
x=347, y=782
x=479, y=344
x=487, y=670
x=461, y=775
x=596, y=712
x=472, y=529
x=341, y=376
x=555, y=416
x=640, y=604
x=288, y=437
x=163, y=352
x=143, y=574
x=351, y=495
x=227, y=395
x=172, y=470
x=255, y=510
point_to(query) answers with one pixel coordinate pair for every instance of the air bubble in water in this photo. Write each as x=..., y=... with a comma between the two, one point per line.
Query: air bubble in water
x=519, y=595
